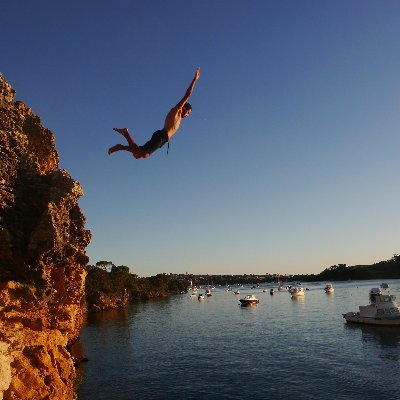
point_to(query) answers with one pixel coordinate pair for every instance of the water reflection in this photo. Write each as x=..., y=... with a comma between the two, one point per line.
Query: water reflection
x=110, y=317
x=251, y=308
x=182, y=348
x=384, y=336
x=298, y=299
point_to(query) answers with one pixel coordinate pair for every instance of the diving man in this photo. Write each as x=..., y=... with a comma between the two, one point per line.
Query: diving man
x=160, y=137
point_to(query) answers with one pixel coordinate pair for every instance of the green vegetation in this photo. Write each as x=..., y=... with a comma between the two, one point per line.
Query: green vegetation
x=389, y=269
x=108, y=278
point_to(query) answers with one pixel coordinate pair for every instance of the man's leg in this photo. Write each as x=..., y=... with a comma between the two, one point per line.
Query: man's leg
x=118, y=147
x=125, y=133
x=133, y=147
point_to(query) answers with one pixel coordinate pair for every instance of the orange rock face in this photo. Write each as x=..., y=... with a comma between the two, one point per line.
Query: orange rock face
x=42, y=259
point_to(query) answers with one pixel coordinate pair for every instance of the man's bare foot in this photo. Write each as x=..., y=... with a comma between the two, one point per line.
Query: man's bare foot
x=115, y=148
x=122, y=131
x=125, y=133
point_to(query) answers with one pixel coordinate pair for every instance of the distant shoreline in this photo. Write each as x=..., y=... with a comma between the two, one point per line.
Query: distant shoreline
x=389, y=269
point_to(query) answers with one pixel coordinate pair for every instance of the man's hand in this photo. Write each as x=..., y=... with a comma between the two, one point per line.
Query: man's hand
x=197, y=76
x=188, y=91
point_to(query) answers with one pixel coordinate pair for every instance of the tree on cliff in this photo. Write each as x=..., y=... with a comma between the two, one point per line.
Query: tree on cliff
x=97, y=280
x=106, y=265
x=120, y=279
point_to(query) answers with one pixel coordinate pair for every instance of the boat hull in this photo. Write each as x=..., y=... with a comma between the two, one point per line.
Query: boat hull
x=248, y=302
x=357, y=319
x=297, y=294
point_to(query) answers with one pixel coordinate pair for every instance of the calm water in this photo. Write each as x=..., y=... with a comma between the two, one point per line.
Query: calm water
x=181, y=348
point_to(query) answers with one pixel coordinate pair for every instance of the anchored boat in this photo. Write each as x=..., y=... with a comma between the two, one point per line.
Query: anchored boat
x=249, y=300
x=383, y=310
x=296, y=291
x=329, y=288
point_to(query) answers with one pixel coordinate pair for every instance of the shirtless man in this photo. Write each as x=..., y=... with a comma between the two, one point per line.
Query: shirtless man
x=159, y=138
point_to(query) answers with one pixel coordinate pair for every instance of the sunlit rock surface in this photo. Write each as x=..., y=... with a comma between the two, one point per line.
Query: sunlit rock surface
x=42, y=258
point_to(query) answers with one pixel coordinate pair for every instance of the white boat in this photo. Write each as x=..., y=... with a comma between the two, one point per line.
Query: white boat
x=373, y=293
x=249, y=300
x=384, y=285
x=280, y=285
x=201, y=296
x=296, y=291
x=329, y=288
x=237, y=292
x=208, y=293
x=265, y=290
x=383, y=310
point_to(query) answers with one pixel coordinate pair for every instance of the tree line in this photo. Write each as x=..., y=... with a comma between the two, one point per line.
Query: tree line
x=389, y=269
x=106, y=277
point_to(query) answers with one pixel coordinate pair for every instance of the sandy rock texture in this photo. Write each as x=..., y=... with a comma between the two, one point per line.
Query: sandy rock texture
x=42, y=258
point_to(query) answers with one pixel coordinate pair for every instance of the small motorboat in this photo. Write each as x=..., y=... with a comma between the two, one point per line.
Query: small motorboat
x=296, y=291
x=383, y=310
x=200, y=297
x=271, y=292
x=384, y=285
x=249, y=300
x=208, y=293
x=329, y=288
x=265, y=290
x=237, y=292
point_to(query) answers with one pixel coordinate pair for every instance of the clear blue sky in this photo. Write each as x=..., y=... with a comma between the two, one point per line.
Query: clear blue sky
x=289, y=162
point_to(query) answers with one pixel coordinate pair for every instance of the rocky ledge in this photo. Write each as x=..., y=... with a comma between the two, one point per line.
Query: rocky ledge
x=42, y=259
x=100, y=301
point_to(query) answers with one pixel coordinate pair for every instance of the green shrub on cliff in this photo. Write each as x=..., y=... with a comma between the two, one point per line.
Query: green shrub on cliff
x=97, y=280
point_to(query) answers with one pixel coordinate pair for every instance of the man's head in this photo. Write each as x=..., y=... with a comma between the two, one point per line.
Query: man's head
x=186, y=110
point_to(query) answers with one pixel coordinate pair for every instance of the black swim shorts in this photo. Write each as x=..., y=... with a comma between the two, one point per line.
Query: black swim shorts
x=158, y=140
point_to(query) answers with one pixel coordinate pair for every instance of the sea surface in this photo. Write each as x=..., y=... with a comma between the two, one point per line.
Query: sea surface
x=183, y=348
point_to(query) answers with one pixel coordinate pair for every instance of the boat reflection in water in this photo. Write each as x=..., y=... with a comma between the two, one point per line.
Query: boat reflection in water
x=384, y=338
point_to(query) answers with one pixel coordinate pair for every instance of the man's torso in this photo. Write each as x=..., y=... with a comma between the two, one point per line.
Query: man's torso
x=172, y=121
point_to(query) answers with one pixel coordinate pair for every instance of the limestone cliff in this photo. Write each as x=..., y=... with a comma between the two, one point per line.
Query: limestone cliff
x=42, y=258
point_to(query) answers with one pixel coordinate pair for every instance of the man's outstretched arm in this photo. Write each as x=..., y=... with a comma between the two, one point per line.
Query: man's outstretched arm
x=189, y=91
